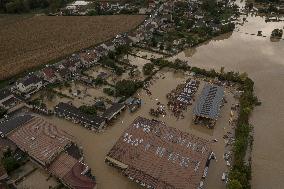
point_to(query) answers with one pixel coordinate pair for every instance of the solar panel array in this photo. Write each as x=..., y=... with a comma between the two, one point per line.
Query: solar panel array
x=209, y=102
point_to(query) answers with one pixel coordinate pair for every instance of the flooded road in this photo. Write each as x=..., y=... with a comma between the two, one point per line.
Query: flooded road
x=263, y=60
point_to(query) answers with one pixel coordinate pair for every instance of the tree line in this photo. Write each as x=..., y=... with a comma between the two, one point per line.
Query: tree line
x=26, y=6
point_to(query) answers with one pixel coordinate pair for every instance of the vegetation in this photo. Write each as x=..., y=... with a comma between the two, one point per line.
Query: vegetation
x=178, y=64
x=90, y=110
x=277, y=33
x=113, y=58
x=109, y=91
x=25, y=6
x=99, y=81
x=148, y=68
x=9, y=162
x=127, y=88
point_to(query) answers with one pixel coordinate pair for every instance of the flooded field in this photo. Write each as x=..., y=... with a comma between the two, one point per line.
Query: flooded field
x=263, y=60
x=97, y=145
x=38, y=179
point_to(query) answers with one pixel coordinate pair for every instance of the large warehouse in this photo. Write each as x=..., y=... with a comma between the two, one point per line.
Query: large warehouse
x=209, y=104
x=161, y=157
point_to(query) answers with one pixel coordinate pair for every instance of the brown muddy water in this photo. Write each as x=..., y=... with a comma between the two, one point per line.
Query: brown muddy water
x=97, y=145
x=239, y=51
x=263, y=60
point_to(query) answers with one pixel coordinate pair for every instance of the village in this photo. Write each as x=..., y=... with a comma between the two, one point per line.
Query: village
x=125, y=93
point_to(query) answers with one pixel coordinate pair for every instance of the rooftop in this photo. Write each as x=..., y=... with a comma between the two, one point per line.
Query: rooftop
x=209, y=103
x=13, y=123
x=70, y=171
x=31, y=79
x=114, y=109
x=4, y=93
x=40, y=139
x=160, y=156
x=67, y=109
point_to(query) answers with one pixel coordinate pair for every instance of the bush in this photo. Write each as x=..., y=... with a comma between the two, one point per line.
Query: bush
x=127, y=87
x=277, y=33
x=88, y=110
x=109, y=91
x=148, y=68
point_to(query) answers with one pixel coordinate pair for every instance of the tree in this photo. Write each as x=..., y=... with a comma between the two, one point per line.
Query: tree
x=88, y=110
x=127, y=87
x=148, y=68
x=222, y=69
x=234, y=184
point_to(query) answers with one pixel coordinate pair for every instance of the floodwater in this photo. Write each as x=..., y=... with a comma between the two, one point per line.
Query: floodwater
x=97, y=145
x=239, y=51
x=263, y=60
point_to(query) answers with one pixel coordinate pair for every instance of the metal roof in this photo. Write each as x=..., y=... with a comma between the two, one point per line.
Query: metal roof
x=67, y=109
x=209, y=102
x=13, y=123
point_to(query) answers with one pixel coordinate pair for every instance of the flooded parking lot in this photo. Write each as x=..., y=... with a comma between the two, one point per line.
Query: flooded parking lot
x=97, y=145
x=263, y=60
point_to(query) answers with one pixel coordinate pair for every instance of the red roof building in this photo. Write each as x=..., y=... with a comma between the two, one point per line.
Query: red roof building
x=160, y=157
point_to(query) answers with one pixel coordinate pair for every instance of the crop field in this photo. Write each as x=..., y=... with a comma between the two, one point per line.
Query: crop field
x=30, y=41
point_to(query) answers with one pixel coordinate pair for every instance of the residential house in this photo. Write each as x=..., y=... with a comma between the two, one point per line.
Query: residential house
x=64, y=74
x=76, y=115
x=89, y=57
x=49, y=75
x=109, y=46
x=29, y=84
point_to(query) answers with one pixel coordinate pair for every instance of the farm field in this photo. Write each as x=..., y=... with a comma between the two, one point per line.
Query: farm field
x=30, y=41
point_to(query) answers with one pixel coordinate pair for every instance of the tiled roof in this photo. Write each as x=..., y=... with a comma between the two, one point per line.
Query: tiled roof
x=70, y=171
x=161, y=156
x=76, y=180
x=40, y=139
x=49, y=72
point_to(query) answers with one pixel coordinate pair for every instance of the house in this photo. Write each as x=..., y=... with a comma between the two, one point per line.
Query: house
x=71, y=66
x=89, y=57
x=71, y=172
x=64, y=74
x=49, y=75
x=29, y=84
x=6, y=99
x=113, y=111
x=109, y=46
x=101, y=51
x=103, y=75
x=77, y=116
x=133, y=103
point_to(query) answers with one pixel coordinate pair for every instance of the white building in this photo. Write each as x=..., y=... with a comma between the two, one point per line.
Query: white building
x=29, y=84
